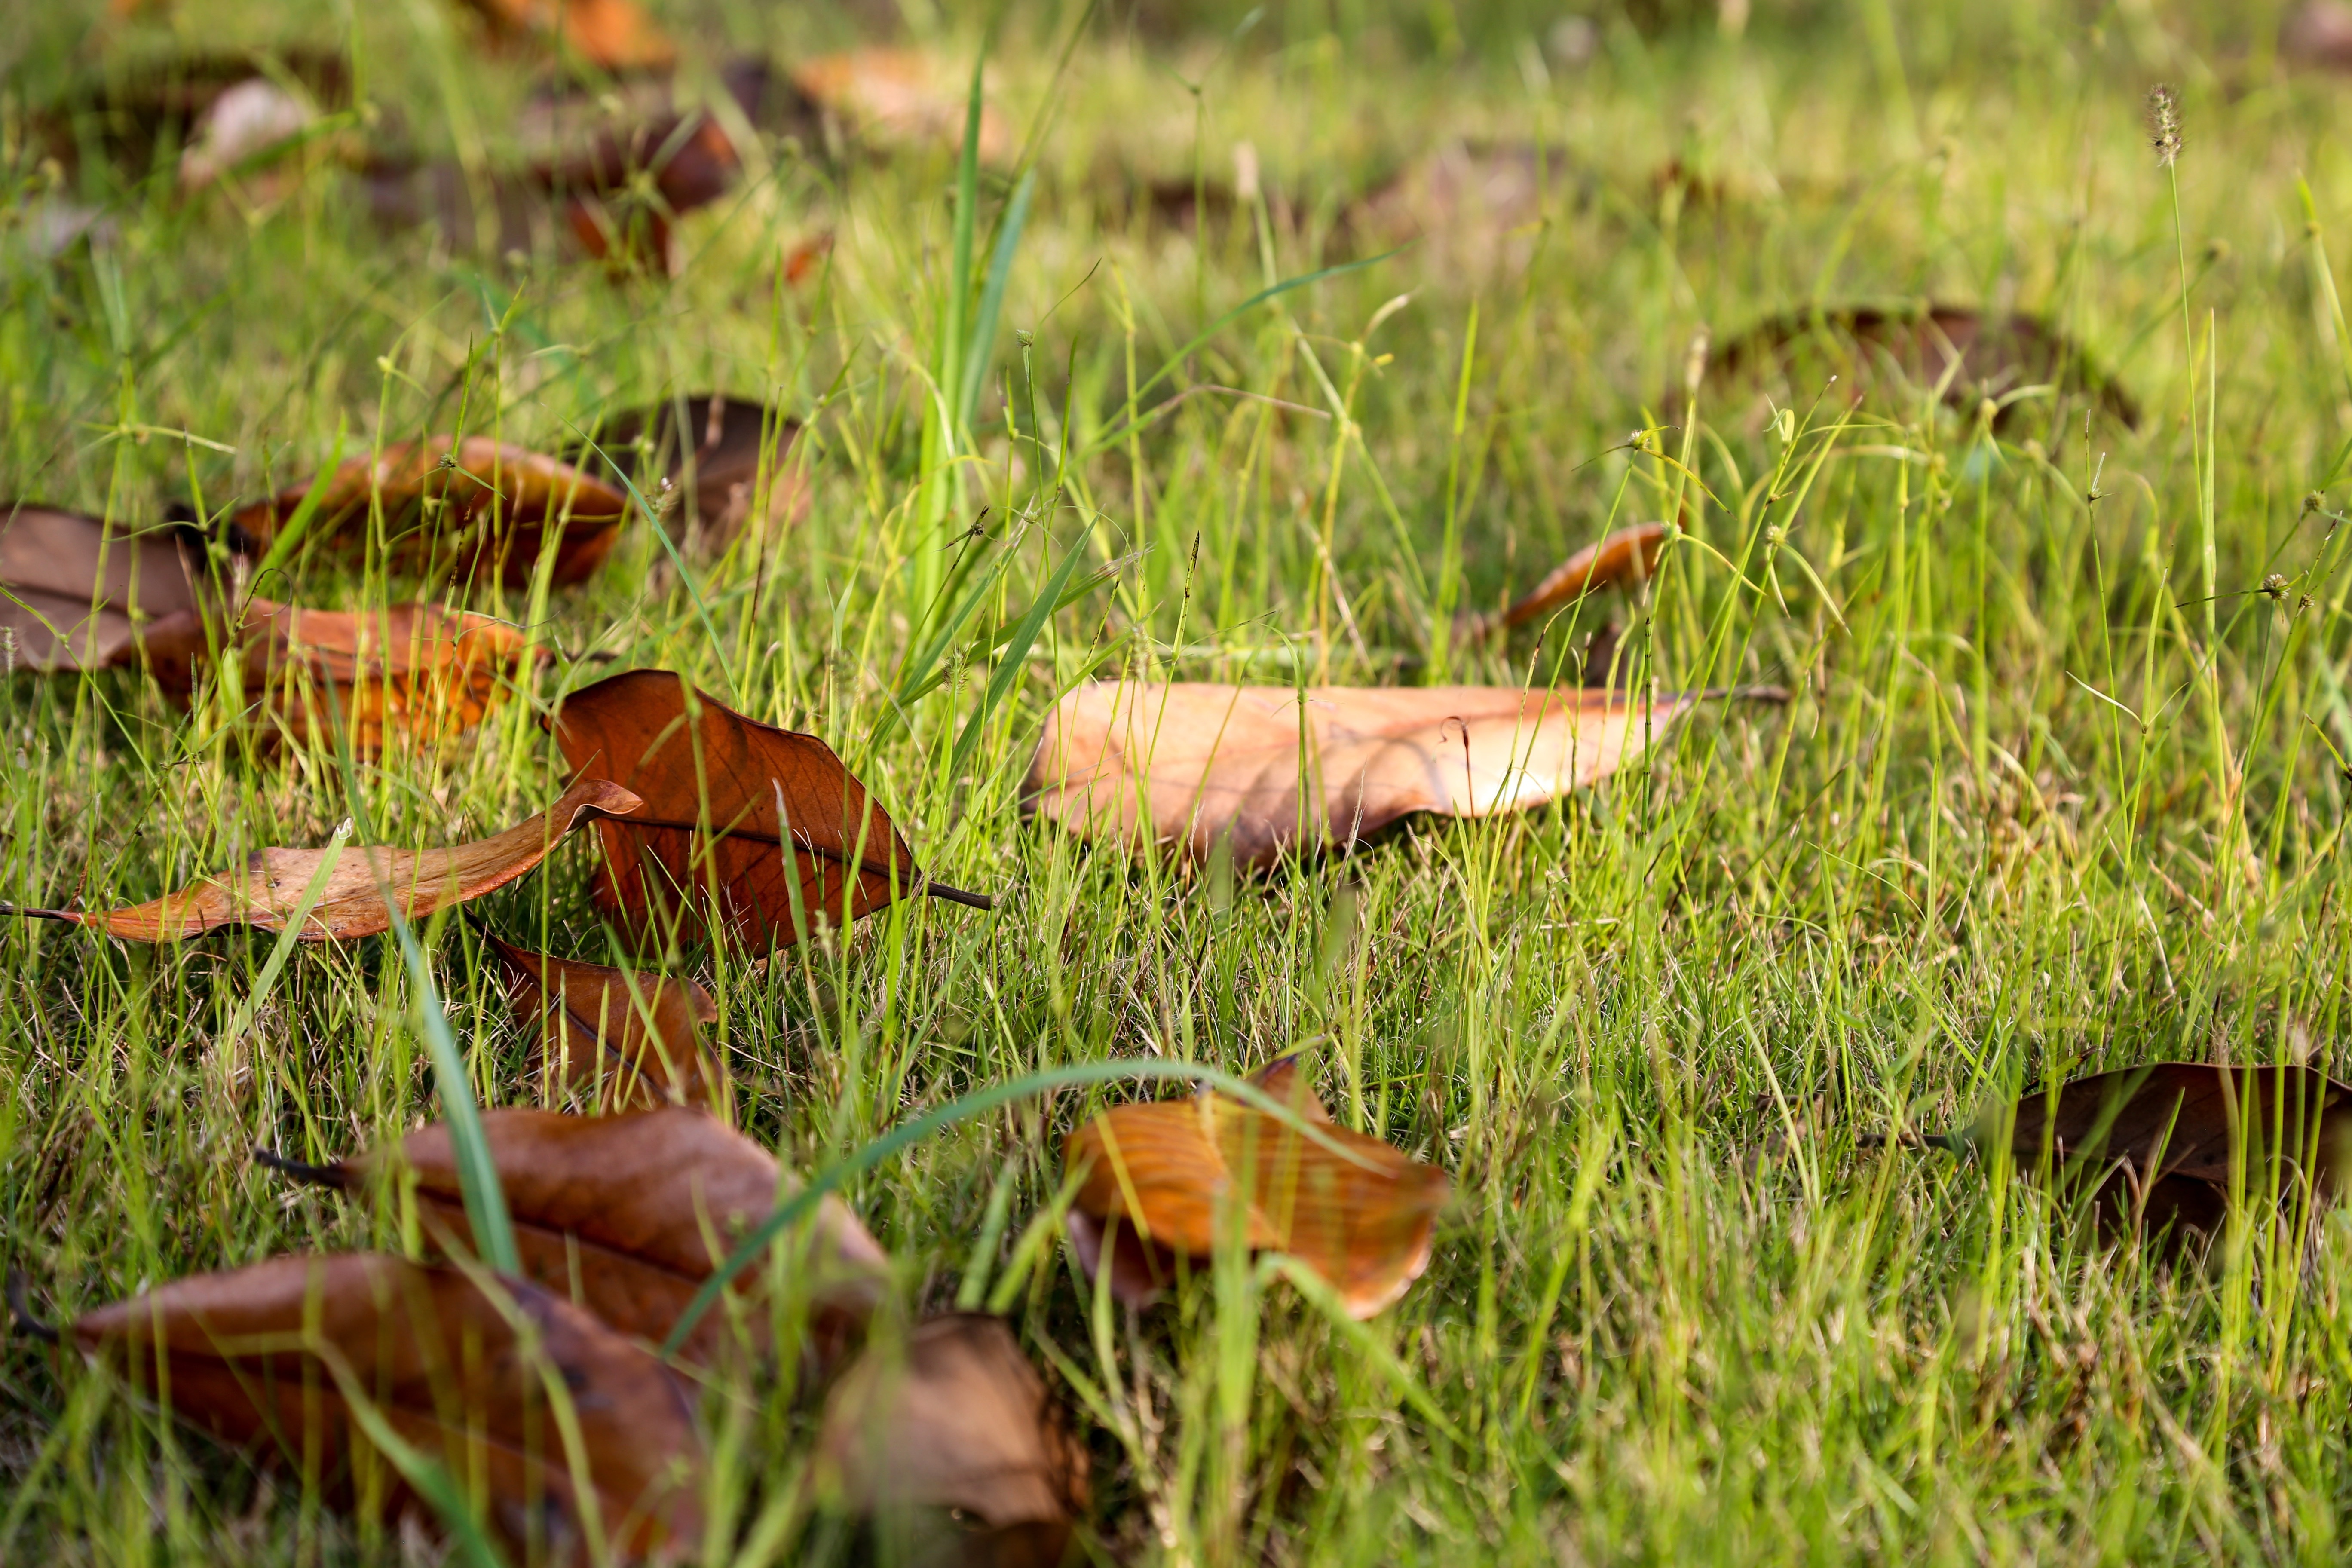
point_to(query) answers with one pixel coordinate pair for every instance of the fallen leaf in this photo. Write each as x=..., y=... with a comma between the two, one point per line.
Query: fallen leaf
x=722, y=471
x=723, y=794
x=78, y=594
x=267, y=889
x=1996, y=355
x=458, y=506
x=131, y=109
x=611, y=34
x=1353, y=1209
x=630, y=1214
x=250, y=1356
x=1625, y=559
x=897, y=98
x=1189, y=764
x=406, y=677
x=249, y=118
x=623, y=1038
x=950, y=1429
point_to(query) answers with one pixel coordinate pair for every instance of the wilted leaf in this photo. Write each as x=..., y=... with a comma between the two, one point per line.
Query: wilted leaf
x=898, y=97
x=724, y=796
x=267, y=889
x=1625, y=559
x=132, y=107
x=411, y=676
x=76, y=593
x=952, y=1430
x=1353, y=1209
x=251, y=1356
x=624, y=1038
x=1189, y=764
x=509, y=214
x=711, y=447
x=460, y=505
x=633, y=1212
x=611, y=34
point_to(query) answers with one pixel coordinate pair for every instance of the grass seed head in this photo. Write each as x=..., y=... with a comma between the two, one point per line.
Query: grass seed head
x=2163, y=123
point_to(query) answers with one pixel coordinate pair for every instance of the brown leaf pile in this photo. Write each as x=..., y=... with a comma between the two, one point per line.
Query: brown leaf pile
x=78, y=594
x=1274, y=770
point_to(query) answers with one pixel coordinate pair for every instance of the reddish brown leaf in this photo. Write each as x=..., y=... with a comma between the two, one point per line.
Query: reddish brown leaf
x=463, y=506
x=268, y=889
x=410, y=677
x=630, y=1213
x=611, y=34
x=1625, y=559
x=1190, y=764
x=896, y=98
x=954, y=1422
x=463, y=1376
x=723, y=796
x=735, y=444
x=77, y=594
x=624, y=1039
x=1360, y=1213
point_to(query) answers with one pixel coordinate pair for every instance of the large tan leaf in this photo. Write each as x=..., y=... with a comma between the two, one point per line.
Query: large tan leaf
x=624, y=1038
x=462, y=506
x=631, y=1212
x=1278, y=770
x=723, y=796
x=249, y=1355
x=1353, y=1209
x=267, y=889
x=78, y=594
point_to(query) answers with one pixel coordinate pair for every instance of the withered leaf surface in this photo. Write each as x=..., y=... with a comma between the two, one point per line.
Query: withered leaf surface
x=624, y=1038
x=611, y=34
x=461, y=506
x=744, y=813
x=411, y=676
x=712, y=447
x=76, y=593
x=268, y=889
x=1188, y=764
x=244, y=1356
x=956, y=1421
x=1361, y=1214
x=1625, y=559
x=635, y=1210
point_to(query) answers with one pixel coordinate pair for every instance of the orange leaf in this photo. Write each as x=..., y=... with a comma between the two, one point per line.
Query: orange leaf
x=1625, y=559
x=625, y=1038
x=611, y=34
x=78, y=594
x=723, y=796
x=268, y=889
x=899, y=98
x=1353, y=1209
x=1189, y=764
x=464, y=1377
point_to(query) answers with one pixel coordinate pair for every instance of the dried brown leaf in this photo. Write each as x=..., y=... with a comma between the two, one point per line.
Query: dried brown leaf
x=78, y=594
x=611, y=34
x=626, y=1039
x=733, y=442
x=895, y=97
x=1625, y=559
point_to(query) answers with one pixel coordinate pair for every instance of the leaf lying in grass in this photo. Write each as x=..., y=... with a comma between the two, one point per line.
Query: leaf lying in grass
x=457, y=505
x=1996, y=355
x=1625, y=559
x=611, y=34
x=723, y=794
x=76, y=593
x=720, y=469
x=268, y=889
x=626, y=1039
x=2163, y=1141
x=959, y=1428
x=248, y=120
x=633, y=1212
x=132, y=107
x=1473, y=204
x=1189, y=764
x=898, y=97
x=1353, y=1209
x=406, y=677
x=251, y=1356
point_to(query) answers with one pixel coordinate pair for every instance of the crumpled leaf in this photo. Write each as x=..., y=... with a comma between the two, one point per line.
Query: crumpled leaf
x=1360, y=1213
x=1625, y=558
x=1189, y=764
x=459, y=506
x=247, y=1354
x=720, y=471
x=411, y=676
x=898, y=97
x=634, y=1211
x=723, y=794
x=624, y=1038
x=267, y=889
x=953, y=1444
x=78, y=594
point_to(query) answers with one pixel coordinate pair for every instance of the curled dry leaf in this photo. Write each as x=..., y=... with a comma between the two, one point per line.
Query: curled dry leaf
x=1625, y=559
x=78, y=594
x=1190, y=764
x=623, y=1038
x=2164, y=1142
x=896, y=98
x=461, y=505
x=950, y=1428
x=717, y=450
x=611, y=34
x=267, y=889
x=460, y=1369
x=411, y=676
x=1156, y=1179
x=752, y=816
x=633, y=1212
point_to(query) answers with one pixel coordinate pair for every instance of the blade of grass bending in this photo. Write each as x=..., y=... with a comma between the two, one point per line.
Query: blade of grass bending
x=803, y=1204
x=242, y=1019
x=997, y=635
x=920, y=673
x=992, y=301
x=419, y=1470
x=1318, y=1290
x=1016, y=653
x=299, y=524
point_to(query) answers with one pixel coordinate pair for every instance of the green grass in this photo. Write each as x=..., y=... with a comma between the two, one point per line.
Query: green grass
x=1674, y=1314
